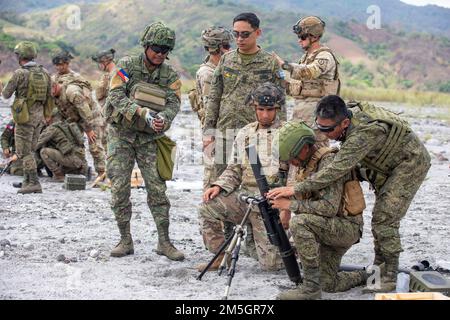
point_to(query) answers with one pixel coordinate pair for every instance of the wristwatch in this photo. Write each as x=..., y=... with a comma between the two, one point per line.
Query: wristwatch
x=286, y=66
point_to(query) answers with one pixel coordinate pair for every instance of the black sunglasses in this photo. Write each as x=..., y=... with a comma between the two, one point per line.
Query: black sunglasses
x=243, y=34
x=302, y=36
x=327, y=128
x=160, y=49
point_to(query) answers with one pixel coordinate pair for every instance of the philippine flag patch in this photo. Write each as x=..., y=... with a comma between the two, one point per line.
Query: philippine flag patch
x=122, y=74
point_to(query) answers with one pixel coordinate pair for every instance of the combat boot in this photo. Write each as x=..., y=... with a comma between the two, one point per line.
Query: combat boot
x=58, y=176
x=216, y=264
x=165, y=247
x=308, y=290
x=125, y=246
x=33, y=186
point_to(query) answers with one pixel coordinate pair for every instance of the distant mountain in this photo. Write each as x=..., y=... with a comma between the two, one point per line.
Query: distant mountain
x=389, y=57
x=430, y=18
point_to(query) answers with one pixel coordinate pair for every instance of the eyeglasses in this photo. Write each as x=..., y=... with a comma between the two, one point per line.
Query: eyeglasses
x=160, y=49
x=303, y=36
x=327, y=128
x=243, y=34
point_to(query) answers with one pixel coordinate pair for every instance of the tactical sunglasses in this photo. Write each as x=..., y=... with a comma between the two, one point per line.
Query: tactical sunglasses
x=243, y=34
x=160, y=49
x=303, y=37
x=327, y=128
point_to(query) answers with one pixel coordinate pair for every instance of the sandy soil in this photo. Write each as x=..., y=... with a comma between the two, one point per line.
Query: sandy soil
x=56, y=245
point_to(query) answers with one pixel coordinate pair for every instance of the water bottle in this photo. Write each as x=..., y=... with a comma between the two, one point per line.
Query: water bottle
x=402, y=282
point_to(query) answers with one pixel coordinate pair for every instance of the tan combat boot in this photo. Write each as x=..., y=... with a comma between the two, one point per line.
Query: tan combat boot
x=216, y=264
x=165, y=247
x=33, y=185
x=58, y=175
x=125, y=246
x=308, y=290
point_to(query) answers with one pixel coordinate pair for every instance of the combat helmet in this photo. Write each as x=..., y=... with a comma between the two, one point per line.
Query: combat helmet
x=215, y=37
x=61, y=57
x=311, y=25
x=267, y=95
x=158, y=34
x=105, y=55
x=292, y=136
x=26, y=50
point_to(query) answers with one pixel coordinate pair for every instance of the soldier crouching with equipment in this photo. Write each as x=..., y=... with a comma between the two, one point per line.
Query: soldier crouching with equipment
x=221, y=200
x=391, y=157
x=135, y=129
x=326, y=223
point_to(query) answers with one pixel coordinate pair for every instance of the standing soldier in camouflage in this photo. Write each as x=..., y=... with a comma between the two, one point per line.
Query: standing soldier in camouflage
x=391, y=158
x=239, y=72
x=133, y=131
x=315, y=76
x=105, y=62
x=9, y=149
x=32, y=107
x=221, y=201
x=78, y=92
x=61, y=147
x=324, y=226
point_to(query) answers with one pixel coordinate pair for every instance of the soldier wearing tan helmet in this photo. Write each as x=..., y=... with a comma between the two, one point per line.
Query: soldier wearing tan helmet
x=315, y=76
x=216, y=41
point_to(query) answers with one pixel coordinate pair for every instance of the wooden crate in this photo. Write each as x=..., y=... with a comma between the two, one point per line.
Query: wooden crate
x=411, y=296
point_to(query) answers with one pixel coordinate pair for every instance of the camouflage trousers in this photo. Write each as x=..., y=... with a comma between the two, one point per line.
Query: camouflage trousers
x=228, y=208
x=122, y=156
x=26, y=137
x=69, y=163
x=394, y=198
x=97, y=149
x=304, y=110
x=321, y=242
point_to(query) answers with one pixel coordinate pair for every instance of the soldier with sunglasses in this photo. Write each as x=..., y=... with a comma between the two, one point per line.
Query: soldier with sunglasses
x=315, y=76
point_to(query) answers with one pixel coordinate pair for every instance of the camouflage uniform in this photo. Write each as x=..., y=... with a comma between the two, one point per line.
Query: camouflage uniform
x=232, y=81
x=238, y=178
x=322, y=232
x=76, y=105
x=7, y=142
x=26, y=134
x=395, y=162
x=101, y=93
x=127, y=144
x=61, y=152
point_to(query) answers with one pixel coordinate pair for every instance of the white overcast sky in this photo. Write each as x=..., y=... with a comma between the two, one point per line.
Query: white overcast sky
x=442, y=3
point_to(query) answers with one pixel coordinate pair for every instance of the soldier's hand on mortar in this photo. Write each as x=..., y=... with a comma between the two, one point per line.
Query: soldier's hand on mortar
x=285, y=217
x=282, y=192
x=211, y=193
x=13, y=158
x=91, y=136
x=277, y=57
x=6, y=153
x=281, y=203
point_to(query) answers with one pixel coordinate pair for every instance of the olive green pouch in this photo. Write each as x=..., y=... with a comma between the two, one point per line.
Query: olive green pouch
x=149, y=95
x=19, y=111
x=164, y=159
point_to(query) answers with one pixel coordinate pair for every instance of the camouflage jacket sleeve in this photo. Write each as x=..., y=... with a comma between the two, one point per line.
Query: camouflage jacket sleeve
x=214, y=97
x=173, y=100
x=231, y=178
x=13, y=84
x=322, y=64
x=327, y=201
x=101, y=91
x=359, y=142
x=45, y=136
x=6, y=138
x=50, y=102
x=79, y=101
x=118, y=91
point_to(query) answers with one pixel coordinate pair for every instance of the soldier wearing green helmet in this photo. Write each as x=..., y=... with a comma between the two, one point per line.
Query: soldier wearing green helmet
x=322, y=226
x=32, y=107
x=143, y=100
x=315, y=75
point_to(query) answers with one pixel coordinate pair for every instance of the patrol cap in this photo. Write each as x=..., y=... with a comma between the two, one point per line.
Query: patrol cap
x=268, y=95
x=61, y=57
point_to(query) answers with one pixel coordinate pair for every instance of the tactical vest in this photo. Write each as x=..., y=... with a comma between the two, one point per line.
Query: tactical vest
x=136, y=76
x=66, y=142
x=320, y=87
x=366, y=113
